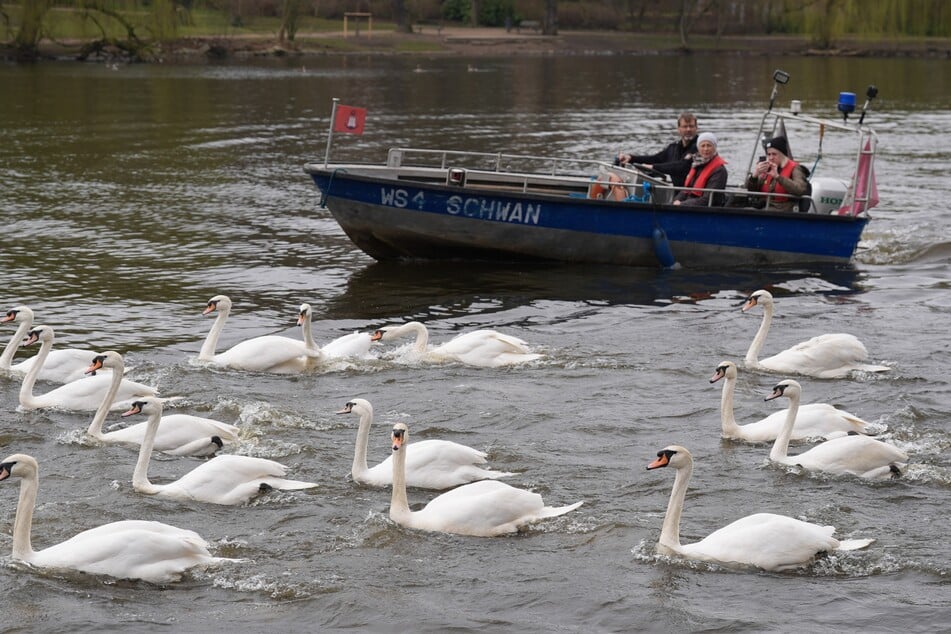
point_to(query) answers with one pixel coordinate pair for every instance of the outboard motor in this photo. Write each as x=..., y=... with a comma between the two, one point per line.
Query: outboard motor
x=828, y=194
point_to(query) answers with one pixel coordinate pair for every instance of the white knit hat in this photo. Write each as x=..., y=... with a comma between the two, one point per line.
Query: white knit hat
x=707, y=136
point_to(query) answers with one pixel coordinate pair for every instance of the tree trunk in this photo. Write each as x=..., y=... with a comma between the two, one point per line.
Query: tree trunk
x=27, y=39
x=400, y=18
x=550, y=23
x=474, y=11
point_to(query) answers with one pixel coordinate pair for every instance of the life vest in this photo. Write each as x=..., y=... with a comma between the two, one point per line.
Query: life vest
x=703, y=176
x=777, y=188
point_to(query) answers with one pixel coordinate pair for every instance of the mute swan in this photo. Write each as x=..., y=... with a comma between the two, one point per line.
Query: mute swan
x=829, y=356
x=80, y=395
x=430, y=464
x=356, y=344
x=268, y=353
x=812, y=421
x=763, y=540
x=178, y=434
x=226, y=479
x=487, y=508
x=130, y=549
x=61, y=366
x=484, y=348
x=856, y=454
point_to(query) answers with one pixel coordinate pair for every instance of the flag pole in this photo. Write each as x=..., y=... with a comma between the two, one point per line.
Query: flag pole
x=330, y=132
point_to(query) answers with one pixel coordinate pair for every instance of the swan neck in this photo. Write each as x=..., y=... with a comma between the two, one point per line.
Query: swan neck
x=207, y=352
x=422, y=334
x=780, y=448
x=6, y=359
x=308, y=333
x=23, y=523
x=670, y=533
x=140, y=477
x=26, y=389
x=95, y=427
x=752, y=355
x=399, y=504
x=359, y=467
x=728, y=424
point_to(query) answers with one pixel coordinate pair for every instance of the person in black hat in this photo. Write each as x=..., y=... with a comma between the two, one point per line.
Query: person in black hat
x=779, y=175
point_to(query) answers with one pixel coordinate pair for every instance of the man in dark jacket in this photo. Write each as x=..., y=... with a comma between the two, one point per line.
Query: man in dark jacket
x=675, y=159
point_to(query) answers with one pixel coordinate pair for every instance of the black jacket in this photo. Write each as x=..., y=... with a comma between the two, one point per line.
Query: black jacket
x=674, y=160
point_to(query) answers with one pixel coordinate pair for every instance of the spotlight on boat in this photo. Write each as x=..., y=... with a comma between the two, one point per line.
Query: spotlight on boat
x=780, y=76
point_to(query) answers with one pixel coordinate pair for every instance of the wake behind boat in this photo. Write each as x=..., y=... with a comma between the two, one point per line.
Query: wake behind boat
x=441, y=204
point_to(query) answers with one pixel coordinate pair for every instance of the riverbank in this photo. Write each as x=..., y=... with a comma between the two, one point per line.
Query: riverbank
x=488, y=42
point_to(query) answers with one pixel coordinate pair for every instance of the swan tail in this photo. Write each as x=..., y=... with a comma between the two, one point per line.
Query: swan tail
x=495, y=475
x=555, y=511
x=854, y=544
x=289, y=485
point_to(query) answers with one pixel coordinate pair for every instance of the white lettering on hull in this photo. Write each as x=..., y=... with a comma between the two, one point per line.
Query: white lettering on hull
x=481, y=208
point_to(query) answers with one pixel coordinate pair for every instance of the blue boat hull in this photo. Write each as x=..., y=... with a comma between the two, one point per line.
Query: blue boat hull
x=389, y=218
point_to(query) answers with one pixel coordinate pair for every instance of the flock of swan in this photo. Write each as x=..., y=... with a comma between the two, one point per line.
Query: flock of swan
x=474, y=502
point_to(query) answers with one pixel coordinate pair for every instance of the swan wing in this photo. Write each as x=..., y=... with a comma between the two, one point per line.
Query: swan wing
x=270, y=353
x=132, y=549
x=486, y=348
x=231, y=479
x=485, y=508
x=857, y=455
x=814, y=420
x=356, y=344
x=826, y=356
x=175, y=431
x=435, y=464
x=62, y=365
x=764, y=540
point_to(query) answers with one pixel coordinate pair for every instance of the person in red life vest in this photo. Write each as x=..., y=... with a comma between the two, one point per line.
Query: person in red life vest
x=707, y=172
x=780, y=175
x=675, y=159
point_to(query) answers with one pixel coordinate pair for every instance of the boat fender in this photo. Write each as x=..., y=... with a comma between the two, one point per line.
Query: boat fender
x=662, y=250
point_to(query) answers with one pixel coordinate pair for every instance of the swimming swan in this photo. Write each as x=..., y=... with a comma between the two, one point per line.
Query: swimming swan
x=178, y=434
x=763, y=540
x=430, y=464
x=829, y=356
x=268, y=353
x=226, y=479
x=130, y=549
x=80, y=395
x=487, y=508
x=815, y=420
x=857, y=455
x=61, y=366
x=355, y=344
x=484, y=348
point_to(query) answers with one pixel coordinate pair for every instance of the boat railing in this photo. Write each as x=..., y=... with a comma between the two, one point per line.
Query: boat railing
x=490, y=161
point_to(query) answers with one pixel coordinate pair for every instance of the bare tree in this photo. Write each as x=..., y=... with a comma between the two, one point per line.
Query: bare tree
x=476, y=8
x=550, y=23
x=400, y=17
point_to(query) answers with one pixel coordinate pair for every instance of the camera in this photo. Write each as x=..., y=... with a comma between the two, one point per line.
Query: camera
x=762, y=158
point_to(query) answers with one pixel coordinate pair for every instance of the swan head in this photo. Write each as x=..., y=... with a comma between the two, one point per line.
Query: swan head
x=357, y=405
x=19, y=465
x=221, y=303
x=43, y=334
x=758, y=297
x=147, y=405
x=19, y=314
x=382, y=334
x=304, y=314
x=724, y=369
x=109, y=359
x=399, y=436
x=788, y=388
x=672, y=456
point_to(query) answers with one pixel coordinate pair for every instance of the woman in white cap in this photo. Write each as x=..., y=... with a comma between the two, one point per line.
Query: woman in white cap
x=708, y=172
x=779, y=175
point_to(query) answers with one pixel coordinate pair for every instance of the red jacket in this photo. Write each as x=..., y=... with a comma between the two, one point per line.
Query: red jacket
x=703, y=176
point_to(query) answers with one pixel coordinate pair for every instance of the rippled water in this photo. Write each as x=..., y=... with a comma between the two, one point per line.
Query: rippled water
x=133, y=196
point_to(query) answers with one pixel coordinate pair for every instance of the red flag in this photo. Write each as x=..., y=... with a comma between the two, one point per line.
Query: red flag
x=865, y=186
x=349, y=119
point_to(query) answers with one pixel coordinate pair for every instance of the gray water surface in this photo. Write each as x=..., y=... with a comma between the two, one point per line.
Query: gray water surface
x=132, y=196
